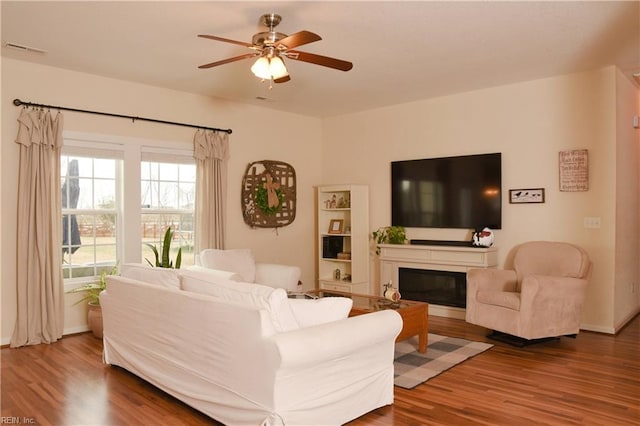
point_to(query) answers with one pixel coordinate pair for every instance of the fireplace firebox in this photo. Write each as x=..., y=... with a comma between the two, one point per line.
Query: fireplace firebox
x=443, y=288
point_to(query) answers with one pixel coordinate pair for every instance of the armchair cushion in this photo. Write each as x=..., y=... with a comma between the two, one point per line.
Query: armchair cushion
x=214, y=274
x=240, y=261
x=506, y=299
x=278, y=276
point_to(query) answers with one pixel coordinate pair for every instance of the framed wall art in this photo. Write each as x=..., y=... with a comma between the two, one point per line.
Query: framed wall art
x=573, y=170
x=524, y=196
x=335, y=226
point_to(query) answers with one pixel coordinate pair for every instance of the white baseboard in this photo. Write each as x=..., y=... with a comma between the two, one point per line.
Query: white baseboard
x=447, y=311
x=72, y=330
x=597, y=328
x=75, y=330
x=611, y=330
x=626, y=319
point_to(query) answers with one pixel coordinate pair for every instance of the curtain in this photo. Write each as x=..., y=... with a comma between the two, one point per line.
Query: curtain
x=211, y=152
x=40, y=287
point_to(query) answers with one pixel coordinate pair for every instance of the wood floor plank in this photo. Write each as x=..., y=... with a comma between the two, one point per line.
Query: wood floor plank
x=591, y=380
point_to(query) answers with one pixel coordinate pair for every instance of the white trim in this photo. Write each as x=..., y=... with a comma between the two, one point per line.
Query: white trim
x=447, y=311
x=67, y=331
x=597, y=328
x=622, y=323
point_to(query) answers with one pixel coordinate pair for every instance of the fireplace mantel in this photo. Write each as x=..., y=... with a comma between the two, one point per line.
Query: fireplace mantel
x=438, y=258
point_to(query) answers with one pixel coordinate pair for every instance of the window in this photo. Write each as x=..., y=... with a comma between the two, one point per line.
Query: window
x=167, y=195
x=106, y=220
x=89, y=215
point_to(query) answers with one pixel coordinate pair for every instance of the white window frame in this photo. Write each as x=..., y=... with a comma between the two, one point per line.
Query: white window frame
x=132, y=150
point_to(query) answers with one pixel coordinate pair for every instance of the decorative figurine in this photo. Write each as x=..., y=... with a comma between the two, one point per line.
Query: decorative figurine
x=483, y=238
x=391, y=293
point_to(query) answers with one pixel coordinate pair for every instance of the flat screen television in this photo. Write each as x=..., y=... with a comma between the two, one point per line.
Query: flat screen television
x=450, y=192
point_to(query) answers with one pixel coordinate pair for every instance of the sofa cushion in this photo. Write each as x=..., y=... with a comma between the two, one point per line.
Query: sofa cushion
x=165, y=277
x=273, y=300
x=240, y=261
x=213, y=273
x=319, y=311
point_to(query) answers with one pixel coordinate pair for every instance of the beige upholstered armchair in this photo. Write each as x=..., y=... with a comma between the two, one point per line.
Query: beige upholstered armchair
x=542, y=297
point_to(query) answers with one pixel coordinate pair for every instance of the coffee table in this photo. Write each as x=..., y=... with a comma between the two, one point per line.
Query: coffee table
x=415, y=315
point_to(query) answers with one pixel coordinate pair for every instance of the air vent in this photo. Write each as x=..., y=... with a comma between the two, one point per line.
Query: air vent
x=24, y=48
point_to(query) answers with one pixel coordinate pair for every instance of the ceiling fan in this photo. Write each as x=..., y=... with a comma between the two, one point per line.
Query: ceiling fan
x=271, y=47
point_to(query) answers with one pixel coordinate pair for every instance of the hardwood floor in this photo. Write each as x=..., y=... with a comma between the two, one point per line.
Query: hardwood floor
x=591, y=380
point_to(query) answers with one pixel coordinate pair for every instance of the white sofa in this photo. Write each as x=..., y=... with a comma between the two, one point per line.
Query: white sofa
x=240, y=265
x=245, y=354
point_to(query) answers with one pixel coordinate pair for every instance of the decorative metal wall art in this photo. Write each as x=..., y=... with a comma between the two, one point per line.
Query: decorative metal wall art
x=269, y=194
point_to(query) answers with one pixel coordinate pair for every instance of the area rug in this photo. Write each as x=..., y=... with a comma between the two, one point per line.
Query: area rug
x=413, y=368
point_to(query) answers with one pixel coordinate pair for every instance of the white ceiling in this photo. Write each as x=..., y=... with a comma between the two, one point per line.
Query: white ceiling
x=401, y=51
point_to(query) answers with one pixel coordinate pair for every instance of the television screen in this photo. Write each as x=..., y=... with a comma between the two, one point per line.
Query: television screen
x=450, y=192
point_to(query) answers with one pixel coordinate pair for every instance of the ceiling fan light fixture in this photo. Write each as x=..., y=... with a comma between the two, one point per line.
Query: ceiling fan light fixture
x=277, y=68
x=261, y=68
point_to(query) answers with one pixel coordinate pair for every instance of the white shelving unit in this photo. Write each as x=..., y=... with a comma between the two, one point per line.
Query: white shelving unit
x=348, y=250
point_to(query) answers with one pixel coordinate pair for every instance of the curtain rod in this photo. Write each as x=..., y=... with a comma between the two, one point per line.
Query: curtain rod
x=18, y=102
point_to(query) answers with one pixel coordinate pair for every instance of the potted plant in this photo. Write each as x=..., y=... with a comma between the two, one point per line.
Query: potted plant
x=389, y=235
x=92, y=297
x=162, y=258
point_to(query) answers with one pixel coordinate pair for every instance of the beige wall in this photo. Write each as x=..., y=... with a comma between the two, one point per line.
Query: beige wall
x=529, y=123
x=258, y=134
x=627, y=293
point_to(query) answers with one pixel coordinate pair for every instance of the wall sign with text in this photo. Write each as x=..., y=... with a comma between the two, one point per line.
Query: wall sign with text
x=573, y=167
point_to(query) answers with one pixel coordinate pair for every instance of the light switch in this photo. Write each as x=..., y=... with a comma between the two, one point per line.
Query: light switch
x=592, y=222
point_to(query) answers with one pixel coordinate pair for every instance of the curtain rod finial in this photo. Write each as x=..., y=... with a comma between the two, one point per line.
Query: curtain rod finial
x=17, y=102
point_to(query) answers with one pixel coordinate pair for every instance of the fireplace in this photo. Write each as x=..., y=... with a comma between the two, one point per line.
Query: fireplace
x=443, y=288
x=436, y=273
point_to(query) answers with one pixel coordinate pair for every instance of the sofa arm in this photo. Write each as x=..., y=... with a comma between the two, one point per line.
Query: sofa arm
x=336, y=340
x=278, y=276
x=310, y=312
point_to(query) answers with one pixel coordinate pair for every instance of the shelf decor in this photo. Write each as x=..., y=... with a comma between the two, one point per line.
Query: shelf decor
x=335, y=226
x=269, y=194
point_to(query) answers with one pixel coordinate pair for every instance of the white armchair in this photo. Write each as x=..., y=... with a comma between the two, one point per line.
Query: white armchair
x=240, y=265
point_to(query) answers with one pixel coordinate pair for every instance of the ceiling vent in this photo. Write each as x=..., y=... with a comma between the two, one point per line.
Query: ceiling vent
x=24, y=48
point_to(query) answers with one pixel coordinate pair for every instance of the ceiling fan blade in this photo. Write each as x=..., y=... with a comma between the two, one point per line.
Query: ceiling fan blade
x=282, y=79
x=298, y=39
x=226, y=40
x=325, y=61
x=228, y=60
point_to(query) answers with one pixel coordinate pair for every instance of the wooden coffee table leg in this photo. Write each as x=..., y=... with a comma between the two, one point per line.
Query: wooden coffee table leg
x=424, y=331
x=422, y=341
